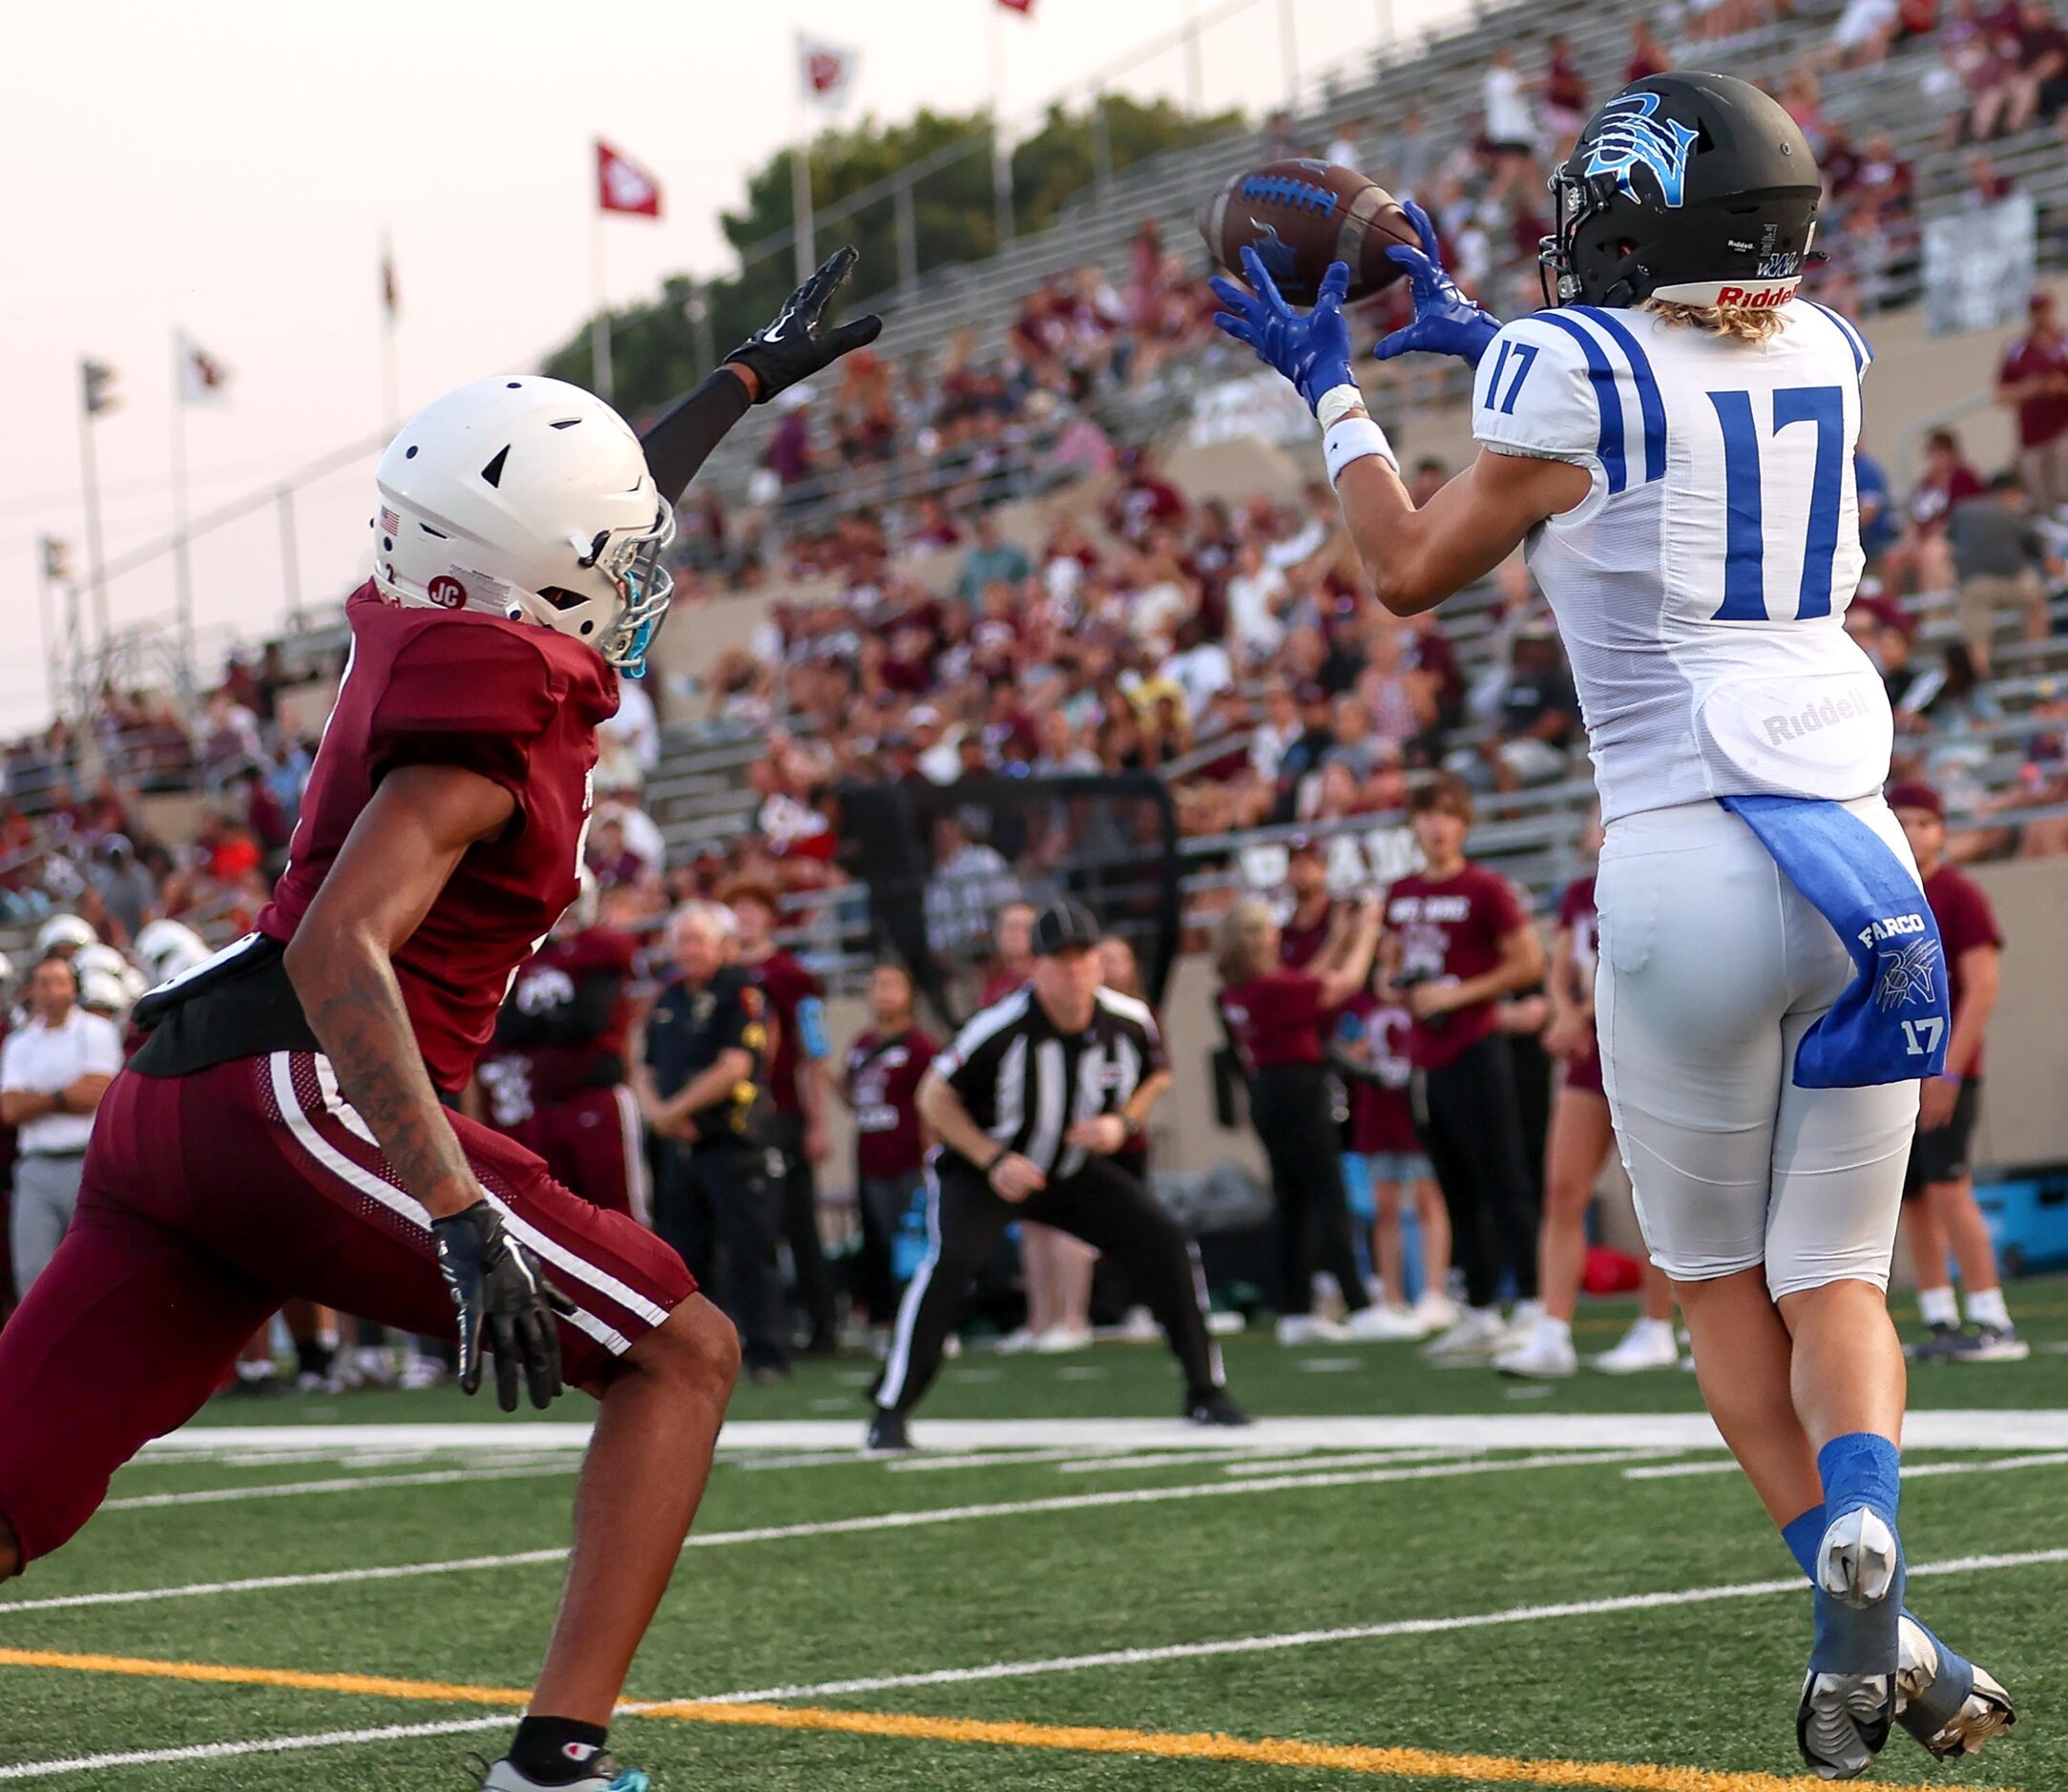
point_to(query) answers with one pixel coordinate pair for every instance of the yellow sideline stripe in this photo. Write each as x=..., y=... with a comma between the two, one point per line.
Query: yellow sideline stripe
x=1614, y=1776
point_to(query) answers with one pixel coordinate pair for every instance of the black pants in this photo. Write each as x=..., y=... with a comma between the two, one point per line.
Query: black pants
x=1102, y=1205
x=884, y=1201
x=719, y=1207
x=1472, y=1127
x=801, y=1232
x=1290, y=1107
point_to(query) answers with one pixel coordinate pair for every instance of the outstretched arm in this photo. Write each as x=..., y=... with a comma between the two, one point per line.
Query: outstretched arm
x=793, y=346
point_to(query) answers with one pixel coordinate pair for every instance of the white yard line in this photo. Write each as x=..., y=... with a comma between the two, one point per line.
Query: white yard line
x=1356, y=1633
x=342, y=1484
x=835, y=1527
x=1020, y=1670
x=926, y=1463
x=1356, y=1459
x=1912, y=1471
x=1931, y=1429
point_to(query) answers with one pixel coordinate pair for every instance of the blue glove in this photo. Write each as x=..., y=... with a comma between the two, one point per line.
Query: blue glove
x=1446, y=323
x=1312, y=351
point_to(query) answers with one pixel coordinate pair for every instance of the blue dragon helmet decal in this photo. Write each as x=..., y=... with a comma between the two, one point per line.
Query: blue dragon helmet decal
x=1631, y=138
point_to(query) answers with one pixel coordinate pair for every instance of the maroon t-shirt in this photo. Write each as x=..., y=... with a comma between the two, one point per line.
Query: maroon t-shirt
x=2040, y=420
x=786, y=984
x=1579, y=917
x=1380, y=1117
x=1276, y=1018
x=1449, y=929
x=1298, y=947
x=514, y=701
x=1966, y=920
x=883, y=1088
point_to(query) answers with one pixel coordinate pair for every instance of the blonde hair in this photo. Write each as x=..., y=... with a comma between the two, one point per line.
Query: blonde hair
x=1746, y=324
x=1240, y=944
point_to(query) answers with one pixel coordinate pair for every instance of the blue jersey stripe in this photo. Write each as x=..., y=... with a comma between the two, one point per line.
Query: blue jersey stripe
x=1862, y=354
x=1649, y=403
x=1607, y=394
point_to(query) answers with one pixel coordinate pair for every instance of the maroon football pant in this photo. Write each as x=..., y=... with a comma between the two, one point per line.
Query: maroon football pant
x=592, y=1143
x=208, y=1199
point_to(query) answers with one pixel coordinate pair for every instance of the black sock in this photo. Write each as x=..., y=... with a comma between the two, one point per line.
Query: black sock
x=556, y=1751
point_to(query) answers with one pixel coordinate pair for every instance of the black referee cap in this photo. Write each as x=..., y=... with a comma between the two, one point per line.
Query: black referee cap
x=1063, y=925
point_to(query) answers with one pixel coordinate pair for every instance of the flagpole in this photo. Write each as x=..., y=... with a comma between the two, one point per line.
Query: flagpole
x=390, y=380
x=90, y=476
x=1001, y=156
x=1195, y=84
x=801, y=218
x=1289, y=46
x=599, y=323
x=183, y=567
x=47, y=618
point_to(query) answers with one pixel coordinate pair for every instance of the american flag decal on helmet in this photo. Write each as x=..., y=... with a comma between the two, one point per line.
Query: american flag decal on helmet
x=1631, y=138
x=391, y=523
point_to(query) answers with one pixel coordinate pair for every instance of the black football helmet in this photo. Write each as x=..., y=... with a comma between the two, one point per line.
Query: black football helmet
x=1695, y=188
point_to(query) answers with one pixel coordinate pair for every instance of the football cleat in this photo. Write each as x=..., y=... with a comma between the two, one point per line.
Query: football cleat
x=1306, y=1328
x=1948, y=1704
x=1380, y=1323
x=1477, y=1338
x=602, y=1775
x=1546, y=1357
x=1214, y=1408
x=1648, y=1344
x=1940, y=1342
x=886, y=1432
x=1842, y=1721
x=1990, y=1343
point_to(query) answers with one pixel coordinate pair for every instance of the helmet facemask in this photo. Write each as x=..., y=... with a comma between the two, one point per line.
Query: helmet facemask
x=632, y=565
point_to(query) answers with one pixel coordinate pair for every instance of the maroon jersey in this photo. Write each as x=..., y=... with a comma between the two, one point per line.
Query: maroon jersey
x=2039, y=419
x=1966, y=920
x=1583, y=920
x=1380, y=1117
x=518, y=704
x=1276, y=1018
x=798, y=1001
x=563, y=1024
x=882, y=1089
x=1449, y=929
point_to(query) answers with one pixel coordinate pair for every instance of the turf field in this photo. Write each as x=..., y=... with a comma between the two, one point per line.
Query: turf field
x=1414, y=1577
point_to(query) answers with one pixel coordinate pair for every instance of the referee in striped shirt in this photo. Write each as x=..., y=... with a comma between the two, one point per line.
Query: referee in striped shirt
x=1029, y=1103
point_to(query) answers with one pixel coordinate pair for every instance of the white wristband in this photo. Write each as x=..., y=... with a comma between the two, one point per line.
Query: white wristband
x=1336, y=403
x=1352, y=440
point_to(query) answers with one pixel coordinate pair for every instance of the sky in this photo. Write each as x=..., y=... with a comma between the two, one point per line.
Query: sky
x=228, y=167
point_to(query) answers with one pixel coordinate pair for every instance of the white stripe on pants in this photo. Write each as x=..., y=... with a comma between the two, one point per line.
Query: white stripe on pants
x=1712, y=967
x=46, y=1192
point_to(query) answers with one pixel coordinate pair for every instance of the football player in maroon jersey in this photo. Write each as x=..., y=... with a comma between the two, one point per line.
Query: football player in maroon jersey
x=284, y=1129
x=554, y=1079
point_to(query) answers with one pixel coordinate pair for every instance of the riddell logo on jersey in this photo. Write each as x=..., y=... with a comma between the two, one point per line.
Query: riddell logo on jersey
x=446, y=592
x=1743, y=301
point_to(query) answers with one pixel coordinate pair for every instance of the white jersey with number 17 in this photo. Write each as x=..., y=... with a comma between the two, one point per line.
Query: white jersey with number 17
x=1701, y=587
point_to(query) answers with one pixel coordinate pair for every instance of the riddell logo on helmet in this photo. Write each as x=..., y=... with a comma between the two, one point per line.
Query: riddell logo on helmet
x=447, y=591
x=1745, y=300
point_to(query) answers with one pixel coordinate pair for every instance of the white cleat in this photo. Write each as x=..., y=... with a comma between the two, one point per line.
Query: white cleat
x=1436, y=1310
x=1017, y=1342
x=1843, y=1721
x=1378, y=1323
x=1983, y=1714
x=1857, y=1561
x=1648, y=1344
x=1479, y=1336
x=1308, y=1328
x=1547, y=1356
x=1522, y=1323
x=1060, y=1341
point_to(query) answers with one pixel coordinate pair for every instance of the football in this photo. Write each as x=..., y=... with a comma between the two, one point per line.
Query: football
x=1299, y=217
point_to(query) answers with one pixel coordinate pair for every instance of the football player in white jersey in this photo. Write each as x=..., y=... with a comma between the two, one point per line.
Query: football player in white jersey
x=1671, y=442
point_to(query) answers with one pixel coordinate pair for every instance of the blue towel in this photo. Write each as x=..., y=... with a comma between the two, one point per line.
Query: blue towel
x=1890, y=1024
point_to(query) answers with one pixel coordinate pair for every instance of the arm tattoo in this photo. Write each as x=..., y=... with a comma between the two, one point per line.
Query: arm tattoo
x=356, y=1011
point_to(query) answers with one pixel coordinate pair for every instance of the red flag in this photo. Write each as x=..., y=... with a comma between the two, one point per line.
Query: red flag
x=622, y=185
x=827, y=70
x=1017, y=6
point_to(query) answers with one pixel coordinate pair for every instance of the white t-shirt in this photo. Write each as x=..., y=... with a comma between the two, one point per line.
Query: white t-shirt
x=1701, y=588
x=1199, y=672
x=41, y=1060
x=1509, y=120
x=1250, y=621
x=629, y=741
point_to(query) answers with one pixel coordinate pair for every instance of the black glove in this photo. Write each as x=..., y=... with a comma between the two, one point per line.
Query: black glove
x=797, y=344
x=493, y=1281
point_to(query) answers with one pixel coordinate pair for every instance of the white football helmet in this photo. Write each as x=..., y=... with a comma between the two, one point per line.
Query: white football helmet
x=530, y=499
x=169, y=948
x=65, y=933
x=103, y=993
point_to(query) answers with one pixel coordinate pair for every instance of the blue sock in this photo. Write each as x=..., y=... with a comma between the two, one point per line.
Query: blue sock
x=1861, y=1470
x=1802, y=1533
